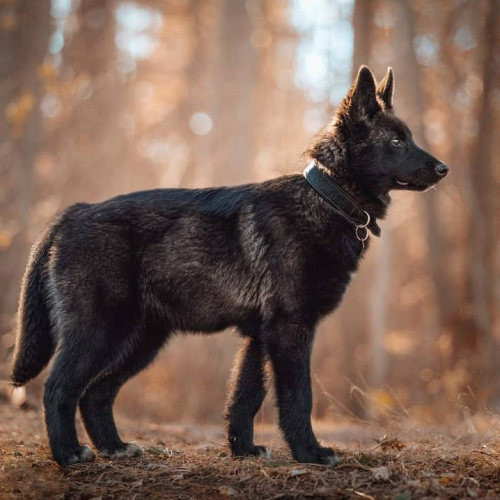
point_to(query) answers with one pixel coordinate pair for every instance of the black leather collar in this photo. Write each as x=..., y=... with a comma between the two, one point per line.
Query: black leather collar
x=341, y=201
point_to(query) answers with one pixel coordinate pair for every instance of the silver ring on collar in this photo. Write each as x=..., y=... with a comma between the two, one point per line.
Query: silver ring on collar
x=363, y=226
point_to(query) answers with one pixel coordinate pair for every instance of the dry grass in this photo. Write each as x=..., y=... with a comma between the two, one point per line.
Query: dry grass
x=192, y=462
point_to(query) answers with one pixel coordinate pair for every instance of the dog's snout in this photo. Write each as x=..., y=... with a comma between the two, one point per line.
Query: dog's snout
x=442, y=169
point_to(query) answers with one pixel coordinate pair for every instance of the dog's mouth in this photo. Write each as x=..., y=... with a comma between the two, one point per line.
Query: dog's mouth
x=415, y=185
x=421, y=179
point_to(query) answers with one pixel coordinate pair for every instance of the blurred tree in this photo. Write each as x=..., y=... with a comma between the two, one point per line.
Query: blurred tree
x=363, y=27
x=24, y=35
x=358, y=322
x=90, y=136
x=484, y=204
x=237, y=77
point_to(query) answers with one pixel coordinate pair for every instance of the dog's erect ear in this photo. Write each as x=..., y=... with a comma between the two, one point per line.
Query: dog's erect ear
x=385, y=89
x=361, y=100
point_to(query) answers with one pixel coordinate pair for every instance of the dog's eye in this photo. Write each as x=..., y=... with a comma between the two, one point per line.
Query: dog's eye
x=396, y=142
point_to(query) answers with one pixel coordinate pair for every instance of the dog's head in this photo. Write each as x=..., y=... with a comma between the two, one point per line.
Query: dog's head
x=376, y=148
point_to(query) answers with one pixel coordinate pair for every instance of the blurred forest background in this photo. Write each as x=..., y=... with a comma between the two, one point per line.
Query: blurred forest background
x=103, y=97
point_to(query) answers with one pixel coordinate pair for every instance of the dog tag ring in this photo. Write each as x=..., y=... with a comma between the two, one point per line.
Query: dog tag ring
x=360, y=236
x=363, y=237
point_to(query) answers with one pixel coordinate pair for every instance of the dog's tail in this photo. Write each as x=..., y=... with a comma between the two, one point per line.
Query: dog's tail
x=35, y=343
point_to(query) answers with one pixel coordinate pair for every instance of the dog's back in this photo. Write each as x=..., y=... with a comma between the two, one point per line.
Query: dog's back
x=197, y=260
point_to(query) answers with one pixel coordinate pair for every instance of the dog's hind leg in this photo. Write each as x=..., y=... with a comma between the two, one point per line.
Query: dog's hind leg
x=96, y=405
x=247, y=390
x=73, y=370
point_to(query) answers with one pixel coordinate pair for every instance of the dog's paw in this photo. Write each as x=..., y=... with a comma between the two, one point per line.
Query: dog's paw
x=264, y=452
x=127, y=451
x=81, y=455
x=332, y=460
x=252, y=451
x=318, y=455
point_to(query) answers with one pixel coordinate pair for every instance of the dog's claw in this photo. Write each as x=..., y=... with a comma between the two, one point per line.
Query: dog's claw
x=332, y=460
x=84, y=454
x=264, y=453
x=253, y=451
x=319, y=455
x=130, y=450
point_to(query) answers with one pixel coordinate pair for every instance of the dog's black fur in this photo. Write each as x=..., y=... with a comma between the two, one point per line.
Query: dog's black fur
x=108, y=284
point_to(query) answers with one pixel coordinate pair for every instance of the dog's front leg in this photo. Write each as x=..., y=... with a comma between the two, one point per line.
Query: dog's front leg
x=289, y=346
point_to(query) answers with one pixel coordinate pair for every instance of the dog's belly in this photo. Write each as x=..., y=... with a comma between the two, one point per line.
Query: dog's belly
x=202, y=300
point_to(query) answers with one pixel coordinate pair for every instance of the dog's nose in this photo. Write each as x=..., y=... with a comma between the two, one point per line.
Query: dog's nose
x=442, y=169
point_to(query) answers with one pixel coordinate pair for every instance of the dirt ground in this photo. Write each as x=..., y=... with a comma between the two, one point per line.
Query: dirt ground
x=187, y=462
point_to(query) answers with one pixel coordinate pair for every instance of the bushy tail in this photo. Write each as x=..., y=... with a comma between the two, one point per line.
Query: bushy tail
x=35, y=344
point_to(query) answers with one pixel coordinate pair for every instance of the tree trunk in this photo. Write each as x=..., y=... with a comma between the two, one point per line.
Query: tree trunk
x=363, y=25
x=23, y=48
x=92, y=139
x=415, y=106
x=33, y=38
x=236, y=95
x=484, y=194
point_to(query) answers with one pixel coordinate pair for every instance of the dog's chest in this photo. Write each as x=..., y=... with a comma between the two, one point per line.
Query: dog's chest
x=330, y=270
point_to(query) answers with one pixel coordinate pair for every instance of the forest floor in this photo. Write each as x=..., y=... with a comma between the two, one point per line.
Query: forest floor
x=187, y=462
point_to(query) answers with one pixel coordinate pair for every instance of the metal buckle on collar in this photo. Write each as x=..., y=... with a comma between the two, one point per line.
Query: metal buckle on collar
x=364, y=226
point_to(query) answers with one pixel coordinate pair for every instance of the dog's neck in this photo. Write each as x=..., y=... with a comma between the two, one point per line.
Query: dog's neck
x=376, y=206
x=331, y=159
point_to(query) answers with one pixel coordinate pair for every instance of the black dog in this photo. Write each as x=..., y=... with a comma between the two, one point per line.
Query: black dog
x=108, y=284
